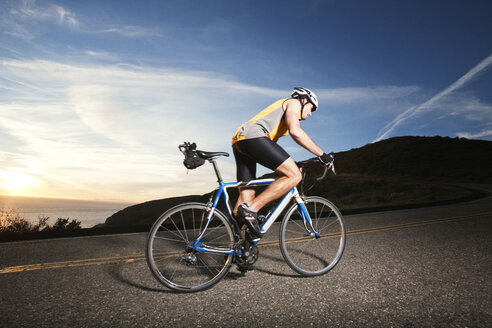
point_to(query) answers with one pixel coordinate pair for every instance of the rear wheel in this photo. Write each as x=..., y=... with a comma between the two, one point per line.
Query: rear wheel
x=170, y=256
x=303, y=252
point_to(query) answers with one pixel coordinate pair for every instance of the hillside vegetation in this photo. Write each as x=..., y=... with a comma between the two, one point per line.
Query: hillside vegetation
x=13, y=222
x=396, y=172
x=428, y=158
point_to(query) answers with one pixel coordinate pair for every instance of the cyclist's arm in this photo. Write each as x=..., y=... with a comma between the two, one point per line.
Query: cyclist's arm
x=292, y=114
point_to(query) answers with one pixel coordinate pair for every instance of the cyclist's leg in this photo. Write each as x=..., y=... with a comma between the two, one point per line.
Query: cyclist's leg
x=246, y=195
x=269, y=154
x=291, y=176
x=245, y=171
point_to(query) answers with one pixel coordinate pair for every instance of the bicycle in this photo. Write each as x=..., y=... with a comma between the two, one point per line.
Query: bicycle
x=192, y=246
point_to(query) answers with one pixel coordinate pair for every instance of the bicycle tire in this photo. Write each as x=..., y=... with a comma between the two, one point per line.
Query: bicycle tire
x=304, y=253
x=171, y=259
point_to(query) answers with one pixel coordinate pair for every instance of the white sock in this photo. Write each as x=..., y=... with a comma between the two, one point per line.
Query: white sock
x=246, y=206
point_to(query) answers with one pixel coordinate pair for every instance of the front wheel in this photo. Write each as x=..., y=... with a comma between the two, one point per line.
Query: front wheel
x=173, y=260
x=305, y=253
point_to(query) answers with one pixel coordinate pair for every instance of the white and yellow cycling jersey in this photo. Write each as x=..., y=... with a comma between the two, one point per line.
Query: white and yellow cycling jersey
x=269, y=122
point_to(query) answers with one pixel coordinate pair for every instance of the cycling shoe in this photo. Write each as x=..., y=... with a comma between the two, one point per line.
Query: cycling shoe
x=251, y=218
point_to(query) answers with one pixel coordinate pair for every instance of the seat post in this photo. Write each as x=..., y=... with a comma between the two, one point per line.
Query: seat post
x=216, y=168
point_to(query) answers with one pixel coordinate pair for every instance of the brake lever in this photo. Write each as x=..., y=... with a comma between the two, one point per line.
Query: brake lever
x=332, y=167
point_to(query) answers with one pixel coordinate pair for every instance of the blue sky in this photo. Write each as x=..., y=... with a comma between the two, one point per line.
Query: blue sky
x=95, y=96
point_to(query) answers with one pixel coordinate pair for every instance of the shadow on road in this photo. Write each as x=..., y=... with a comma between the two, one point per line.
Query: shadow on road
x=136, y=279
x=117, y=273
x=279, y=260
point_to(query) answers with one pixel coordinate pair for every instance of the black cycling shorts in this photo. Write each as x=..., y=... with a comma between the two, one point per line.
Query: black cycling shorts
x=261, y=150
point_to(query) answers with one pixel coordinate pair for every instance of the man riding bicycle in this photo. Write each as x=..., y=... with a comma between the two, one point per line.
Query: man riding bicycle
x=256, y=142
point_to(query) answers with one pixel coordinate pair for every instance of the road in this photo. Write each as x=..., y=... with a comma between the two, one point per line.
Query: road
x=427, y=267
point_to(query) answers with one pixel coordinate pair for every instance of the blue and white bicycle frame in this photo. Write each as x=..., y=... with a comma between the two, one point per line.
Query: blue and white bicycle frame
x=221, y=192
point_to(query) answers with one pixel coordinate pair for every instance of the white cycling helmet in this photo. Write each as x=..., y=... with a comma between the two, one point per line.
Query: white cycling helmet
x=303, y=92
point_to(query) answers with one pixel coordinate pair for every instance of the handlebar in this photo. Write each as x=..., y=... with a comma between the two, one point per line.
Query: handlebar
x=314, y=181
x=332, y=167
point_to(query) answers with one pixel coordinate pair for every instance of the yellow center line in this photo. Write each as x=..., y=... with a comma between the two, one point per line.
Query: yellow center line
x=416, y=224
x=137, y=256
x=74, y=263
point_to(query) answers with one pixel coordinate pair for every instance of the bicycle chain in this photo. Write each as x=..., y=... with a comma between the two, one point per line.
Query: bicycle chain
x=246, y=254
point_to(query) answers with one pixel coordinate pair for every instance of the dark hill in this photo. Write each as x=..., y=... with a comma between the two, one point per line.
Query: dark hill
x=436, y=158
x=393, y=172
x=146, y=213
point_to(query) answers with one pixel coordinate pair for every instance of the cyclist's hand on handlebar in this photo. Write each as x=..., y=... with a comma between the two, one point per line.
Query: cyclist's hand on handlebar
x=327, y=159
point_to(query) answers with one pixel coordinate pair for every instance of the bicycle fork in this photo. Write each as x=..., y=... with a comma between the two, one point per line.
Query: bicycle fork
x=306, y=218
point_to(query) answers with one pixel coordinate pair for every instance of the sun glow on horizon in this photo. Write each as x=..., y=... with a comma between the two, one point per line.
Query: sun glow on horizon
x=17, y=183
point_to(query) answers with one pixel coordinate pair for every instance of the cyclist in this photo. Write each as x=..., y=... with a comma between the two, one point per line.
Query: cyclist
x=256, y=142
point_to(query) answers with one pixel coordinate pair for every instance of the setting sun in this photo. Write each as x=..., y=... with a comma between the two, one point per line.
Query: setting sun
x=15, y=182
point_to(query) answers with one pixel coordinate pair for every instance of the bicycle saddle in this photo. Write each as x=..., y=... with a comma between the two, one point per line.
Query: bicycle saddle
x=209, y=155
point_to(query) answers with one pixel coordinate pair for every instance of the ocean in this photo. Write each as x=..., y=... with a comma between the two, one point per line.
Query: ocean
x=89, y=213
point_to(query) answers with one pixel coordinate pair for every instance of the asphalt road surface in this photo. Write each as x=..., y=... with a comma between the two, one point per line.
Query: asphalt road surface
x=428, y=267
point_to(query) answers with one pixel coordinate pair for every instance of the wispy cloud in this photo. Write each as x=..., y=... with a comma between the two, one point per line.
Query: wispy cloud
x=98, y=129
x=26, y=19
x=367, y=94
x=412, y=111
x=131, y=31
x=21, y=18
x=483, y=134
x=29, y=10
x=66, y=16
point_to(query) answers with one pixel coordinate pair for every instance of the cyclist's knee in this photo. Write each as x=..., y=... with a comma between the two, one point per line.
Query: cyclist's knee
x=291, y=171
x=296, y=177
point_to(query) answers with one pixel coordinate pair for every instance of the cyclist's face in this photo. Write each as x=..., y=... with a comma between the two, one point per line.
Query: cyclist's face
x=307, y=111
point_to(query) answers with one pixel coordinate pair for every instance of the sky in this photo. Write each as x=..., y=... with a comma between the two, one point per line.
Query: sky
x=96, y=96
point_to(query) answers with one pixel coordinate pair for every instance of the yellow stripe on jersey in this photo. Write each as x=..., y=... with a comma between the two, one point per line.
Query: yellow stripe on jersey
x=269, y=122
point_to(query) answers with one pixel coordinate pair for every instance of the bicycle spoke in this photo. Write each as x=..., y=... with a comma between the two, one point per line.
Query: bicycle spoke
x=169, y=239
x=298, y=232
x=174, y=272
x=184, y=228
x=211, y=240
x=177, y=229
x=327, y=225
x=170, y=231
x=206, y=266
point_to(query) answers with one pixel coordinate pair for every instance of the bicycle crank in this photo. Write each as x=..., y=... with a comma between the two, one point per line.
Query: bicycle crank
x=248, y=255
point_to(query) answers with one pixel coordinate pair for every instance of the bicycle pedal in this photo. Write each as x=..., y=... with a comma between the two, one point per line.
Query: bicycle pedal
x=243, y=268
x=261, y=219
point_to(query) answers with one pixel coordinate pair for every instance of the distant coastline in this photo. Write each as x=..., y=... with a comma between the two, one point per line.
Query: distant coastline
x=89, y=213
